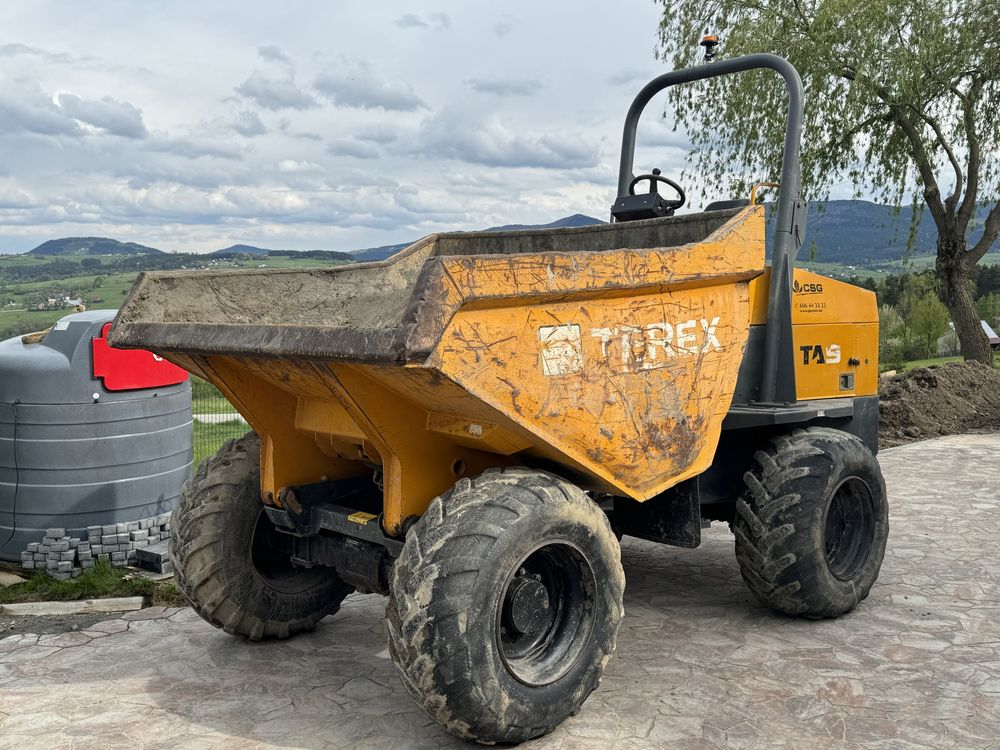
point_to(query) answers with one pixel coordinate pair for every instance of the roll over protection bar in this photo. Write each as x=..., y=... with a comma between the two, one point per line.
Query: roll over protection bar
x=778, y=373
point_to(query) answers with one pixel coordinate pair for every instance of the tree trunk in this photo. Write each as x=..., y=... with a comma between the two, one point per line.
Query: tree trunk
x=956, y=283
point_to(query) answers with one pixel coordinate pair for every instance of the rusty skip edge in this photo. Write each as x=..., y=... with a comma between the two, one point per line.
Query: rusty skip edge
x=434, y=302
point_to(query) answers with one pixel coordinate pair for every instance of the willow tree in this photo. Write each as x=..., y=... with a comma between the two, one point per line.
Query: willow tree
x=902, y=101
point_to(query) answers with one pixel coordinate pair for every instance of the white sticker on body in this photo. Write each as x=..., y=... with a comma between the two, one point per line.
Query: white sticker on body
x=562, y=352
x=629, y=347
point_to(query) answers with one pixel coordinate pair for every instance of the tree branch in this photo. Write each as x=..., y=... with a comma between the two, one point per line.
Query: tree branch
x=952, y=199
x=932, y=193
x=864, y=125
x=974, y=158
x=991, y=230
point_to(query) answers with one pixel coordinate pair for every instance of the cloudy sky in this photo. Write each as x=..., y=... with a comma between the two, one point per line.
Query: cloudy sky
x=315, y=124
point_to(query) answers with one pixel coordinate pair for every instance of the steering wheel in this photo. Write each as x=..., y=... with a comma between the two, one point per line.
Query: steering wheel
x=654, y=178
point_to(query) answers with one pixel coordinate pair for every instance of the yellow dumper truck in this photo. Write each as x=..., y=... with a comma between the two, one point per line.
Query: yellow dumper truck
x=470, y=426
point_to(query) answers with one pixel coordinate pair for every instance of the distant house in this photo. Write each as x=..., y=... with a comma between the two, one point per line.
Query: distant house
x=948, y=344
x=991, y=335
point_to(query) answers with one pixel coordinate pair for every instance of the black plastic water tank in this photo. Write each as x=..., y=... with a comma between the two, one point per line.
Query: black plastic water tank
x=88, y=435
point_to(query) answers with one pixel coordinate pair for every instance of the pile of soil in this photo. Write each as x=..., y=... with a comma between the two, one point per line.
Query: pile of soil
x=939, y=400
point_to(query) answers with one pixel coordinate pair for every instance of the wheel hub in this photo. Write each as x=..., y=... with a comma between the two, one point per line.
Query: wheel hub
x=529, y=610
x=546, y=613
x=849, y=531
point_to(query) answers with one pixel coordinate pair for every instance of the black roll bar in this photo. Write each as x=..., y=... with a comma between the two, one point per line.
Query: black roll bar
x=775, y=385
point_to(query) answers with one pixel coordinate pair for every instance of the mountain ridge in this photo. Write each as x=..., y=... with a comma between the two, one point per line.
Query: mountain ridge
x=239, y=249
x=849, y=232
x=91, y=246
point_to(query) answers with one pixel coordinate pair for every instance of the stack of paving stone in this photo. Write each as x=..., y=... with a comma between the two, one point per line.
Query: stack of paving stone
x=120, y=544
x=59, y=555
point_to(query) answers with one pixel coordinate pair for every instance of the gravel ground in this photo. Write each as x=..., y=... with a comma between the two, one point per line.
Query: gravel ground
x=699, y=664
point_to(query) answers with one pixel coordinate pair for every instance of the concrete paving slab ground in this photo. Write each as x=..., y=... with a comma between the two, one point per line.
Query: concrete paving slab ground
x=699, y=663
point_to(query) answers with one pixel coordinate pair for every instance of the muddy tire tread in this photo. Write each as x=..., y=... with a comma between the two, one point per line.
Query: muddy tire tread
x=776, y=542
x=198, y=529
x=469, y=511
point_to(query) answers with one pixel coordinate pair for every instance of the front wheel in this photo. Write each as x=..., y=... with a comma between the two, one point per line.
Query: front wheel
x=228, y=558
x=504, y=605
x=812, y=526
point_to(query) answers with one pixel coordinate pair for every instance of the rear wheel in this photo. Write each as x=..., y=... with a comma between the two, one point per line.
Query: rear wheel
x=811, y=528
x=229, y=560
x=505, y=604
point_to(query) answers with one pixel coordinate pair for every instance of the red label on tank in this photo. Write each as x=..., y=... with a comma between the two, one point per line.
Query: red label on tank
x=131, y=369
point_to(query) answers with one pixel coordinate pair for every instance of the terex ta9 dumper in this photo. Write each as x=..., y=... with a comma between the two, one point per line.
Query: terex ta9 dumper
x=471, y=425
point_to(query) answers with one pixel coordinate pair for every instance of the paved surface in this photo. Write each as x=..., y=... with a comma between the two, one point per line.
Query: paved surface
x=699, y=664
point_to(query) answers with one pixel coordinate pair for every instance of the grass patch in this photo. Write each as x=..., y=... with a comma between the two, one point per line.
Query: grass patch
x=100, y=582
x=914, y=363
x=208, y=438
x=206, y=398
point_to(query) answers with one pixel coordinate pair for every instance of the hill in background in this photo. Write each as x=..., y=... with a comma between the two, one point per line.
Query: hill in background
x=92, y=246
x=377, y=253
x=228, y=252
x=576, y=220
x=384, y=251
x=861, y=233
x=849, y=232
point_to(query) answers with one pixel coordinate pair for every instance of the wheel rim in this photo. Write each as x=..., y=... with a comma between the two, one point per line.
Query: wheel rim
x=546, y=613
x=849, y=531
x=272, y=563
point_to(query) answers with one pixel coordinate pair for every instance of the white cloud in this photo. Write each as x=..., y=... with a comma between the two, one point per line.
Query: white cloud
x=248, y=123
x=630, y=77
x=107, y=114
x=504, y=26
x=196, y=147
x=505, y=86
x=379, y=132
x=659, y=132
x=275, y=93
x=15, y=49
x=12, y=197
x=354, y=84
x=291, y=166
x=273, y=53
x=364, y=157
x=432, y=21
x=27, y=109
x=352, y=147
x=453, y=134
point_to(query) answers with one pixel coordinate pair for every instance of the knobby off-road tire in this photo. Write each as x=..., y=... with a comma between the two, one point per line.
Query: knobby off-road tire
x=812, y=526
x=469, y=629
x=224, y=564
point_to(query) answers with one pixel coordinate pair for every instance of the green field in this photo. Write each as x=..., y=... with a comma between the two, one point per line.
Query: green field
x=102, y=282
x=906, y=265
